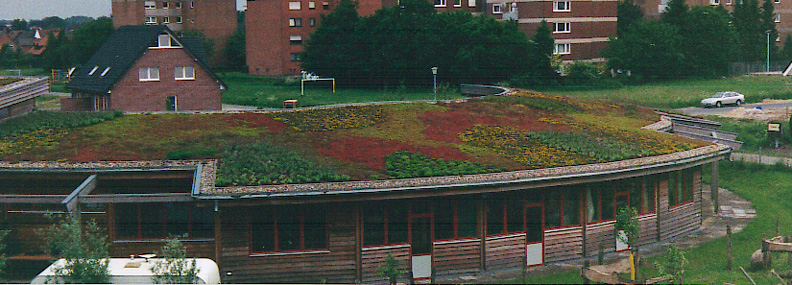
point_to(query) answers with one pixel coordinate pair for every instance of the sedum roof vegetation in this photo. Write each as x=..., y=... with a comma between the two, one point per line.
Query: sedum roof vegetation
x=523, y=131
x=8, y=80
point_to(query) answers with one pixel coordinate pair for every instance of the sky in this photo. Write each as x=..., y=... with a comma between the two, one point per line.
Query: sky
x=39, y=9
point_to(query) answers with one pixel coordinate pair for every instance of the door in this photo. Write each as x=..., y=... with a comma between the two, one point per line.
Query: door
x=421, y=246
x=534, y=234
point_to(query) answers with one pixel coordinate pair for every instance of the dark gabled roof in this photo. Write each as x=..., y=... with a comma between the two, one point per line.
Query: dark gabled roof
x=120, y=52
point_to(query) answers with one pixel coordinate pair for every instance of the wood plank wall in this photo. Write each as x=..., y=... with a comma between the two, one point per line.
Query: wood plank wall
x=335, y=265
x=457, y=256
x=563, y=244
x=685, y=218
x=374, y=257
x=504, y=251
x=600, y=233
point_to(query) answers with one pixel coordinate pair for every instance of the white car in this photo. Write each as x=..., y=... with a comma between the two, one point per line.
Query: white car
x=721, y=98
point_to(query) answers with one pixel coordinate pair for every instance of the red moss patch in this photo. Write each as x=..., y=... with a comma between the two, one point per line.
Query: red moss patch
x=372, y=151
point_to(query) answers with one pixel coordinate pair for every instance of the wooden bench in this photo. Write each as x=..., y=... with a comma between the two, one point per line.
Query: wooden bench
x=290, y=104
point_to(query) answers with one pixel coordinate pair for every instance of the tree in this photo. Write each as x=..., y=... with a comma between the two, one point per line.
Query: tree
x=627, y=221
x=751, y=35
x=207, y=43
x=627, y=14
x=174, y=268
x=786, y=51
x=67, y=51
x=82, y=246
x=19, y=25
x=676, y=14
x=649, y=49
x=674, y=265
x=391, y=269
x=768, y=16
x=332, y=48
x=541, y=56
x=708, y=42
x=235, y=51
x=49, y=23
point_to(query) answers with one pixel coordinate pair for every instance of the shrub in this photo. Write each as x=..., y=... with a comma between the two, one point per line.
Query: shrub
x=83, y=246
x=174, y=268
x=581, y=73
x=404, y=164
x=53, y=120
x=259, y=164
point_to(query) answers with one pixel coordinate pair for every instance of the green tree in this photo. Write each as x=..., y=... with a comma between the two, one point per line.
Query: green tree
x=236, y=51
x=786, y=51
x=333, y=47
x=627, y=13
x=650, y=49
x=207, y=43
x=768, y=16
x=709, y=42
x=174, y=267
x=19, y=25
x=674, y=265
x=50, y=23
x=391, y=269
x=83, y=246
x=67, y=51
x=676, y=14
x=746, y=19
x=627, y=221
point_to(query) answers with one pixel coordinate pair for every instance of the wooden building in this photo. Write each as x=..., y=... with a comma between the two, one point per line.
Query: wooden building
x=340, y=232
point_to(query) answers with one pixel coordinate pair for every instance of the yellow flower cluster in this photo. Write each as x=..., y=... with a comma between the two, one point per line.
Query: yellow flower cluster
x=20, y=144
x=323, y=120
x=579, y=104
x=516, y=145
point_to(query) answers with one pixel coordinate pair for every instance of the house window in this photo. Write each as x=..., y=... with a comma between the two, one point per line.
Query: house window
x=680, y=188
x=384, y=224
x=93, y=70
x=778, y=18
x=164, y=5
x=166, y=20
x=728, y=2
x=163, y=220
x=561, y=6
x=776, y=1
x=105, y=71
x=171, y=104
x=192, y=4
x=471, y=3
x=561, y=28
x=149, y=5
x=178, y=20
x=164, y=40
x=289, y=229
x=497, y=9
x=148, y=74
x=295, y=22
x=184, y=73
x=150, y=20
x=456, y=220
x=326, y=5
x=312, y=22
x=561, y=207
x=294, y=57
x=505, y=214
x=295, y=40
x=457, y=3
x=294, y=5
x=311, y=5
x=562, y=49
x=715, y=2
x=178, y=5
x=440, y=3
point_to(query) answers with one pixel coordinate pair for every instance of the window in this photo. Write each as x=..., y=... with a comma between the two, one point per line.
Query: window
x=149, y=73
x=294, y=5
x=164, y=5
x=149, y=5
x=151, y=20
x=505, y=214
x=562, y=207
x=184, y=73
x=561, y=6
x=457, y=220
x=471, y=3
x=178, y=5
x=294, y=57
x=93, y=70
x=105, y=71
x=171, y=104
x=166, y=20
x=163, y=220
x=295, y=40
x=192, y=4
x=561, y=28
x=497, y=8
x=311, y=5
x=326, y=5
x=312, y=22
x=178, y=20
x=776, y=1
x=289, y=229
x=728, y=2
x=385, y=224
x=715, y=2
x=680, y=188
x=164, y=40
x=440, y=3
x=777, y=17
x=457, y=3
x=295, y=22
x=562, y=49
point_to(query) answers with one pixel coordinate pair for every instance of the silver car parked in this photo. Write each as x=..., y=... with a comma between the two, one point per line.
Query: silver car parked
x=722, y=98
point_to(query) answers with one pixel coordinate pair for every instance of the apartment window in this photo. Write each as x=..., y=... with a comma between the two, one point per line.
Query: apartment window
x=178, y=5
x=440, y=3
x=178, y=20
x=151, y=20
x=184, y=73
x=295, y=40
x=680, y=188
x=776, y=1
x=561, y=49
x=93, y=70
x=778, y=18
x=165, y=5
x=192, y=4
x=497, y=8
x=295, y=22
x=561, y=28
x=561, y=6
x=294, y=5
x=312, y=22
x=326, y=5
x=148, y=73
x=149, y=5
x=163, y=220
x=471, y=3
x=166, y=20
x=171, y=103
x=294, y=57
x=457, y=3
x=311, y=5
x=715, y=2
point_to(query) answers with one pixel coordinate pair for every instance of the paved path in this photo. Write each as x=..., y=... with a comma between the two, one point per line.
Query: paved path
x=735, y=211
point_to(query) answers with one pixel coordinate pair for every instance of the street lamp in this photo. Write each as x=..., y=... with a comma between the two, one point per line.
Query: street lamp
x=434, y=75
x=768, y=51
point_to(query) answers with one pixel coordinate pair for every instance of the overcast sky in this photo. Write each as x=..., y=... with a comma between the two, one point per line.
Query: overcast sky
x=39, y=9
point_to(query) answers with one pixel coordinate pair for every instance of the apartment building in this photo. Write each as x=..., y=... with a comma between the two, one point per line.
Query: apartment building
x=214, y=18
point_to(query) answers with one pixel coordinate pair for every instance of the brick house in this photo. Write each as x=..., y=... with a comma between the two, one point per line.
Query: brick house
x=145, y=68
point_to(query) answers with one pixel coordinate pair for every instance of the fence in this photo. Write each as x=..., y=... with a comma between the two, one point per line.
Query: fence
x=741, y=68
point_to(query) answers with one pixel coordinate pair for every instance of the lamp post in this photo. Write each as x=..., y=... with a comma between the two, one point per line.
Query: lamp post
x=434, y=76
x=768, y=52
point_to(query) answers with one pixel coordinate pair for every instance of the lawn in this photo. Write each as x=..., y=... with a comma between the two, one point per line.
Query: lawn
x=688, y=93
x=769, y=188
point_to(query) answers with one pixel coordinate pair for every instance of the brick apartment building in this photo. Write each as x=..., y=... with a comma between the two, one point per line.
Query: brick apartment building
x=217, y=19
x=276, y=29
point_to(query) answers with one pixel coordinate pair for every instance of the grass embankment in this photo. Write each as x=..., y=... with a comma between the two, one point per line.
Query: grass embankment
x=769, y=188
x=688, y=93
x=269, y=92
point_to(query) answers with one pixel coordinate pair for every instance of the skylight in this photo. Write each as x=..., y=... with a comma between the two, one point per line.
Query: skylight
x=93, y=70
x=105, y=71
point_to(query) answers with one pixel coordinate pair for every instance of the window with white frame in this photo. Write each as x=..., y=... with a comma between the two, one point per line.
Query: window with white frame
x=295, y=22
x=165, y=5
x=192, y=4
x=164, y=40
x=294, y=5
x=440, y=3
x=151, y=20
x=715, y=2
x=148, y=74
x=184, y=73
x=471, y=3
x=178, y=20
x=778, y=18
x=326, y=5
x=166, y=20
x=295, y=40
x=457, y=3
x=311, y=5
x=728, y=2
x=561, y=6
x=776, y=1
x=178, y=5
x=561, y=49
x=497, y=8
x=150, y=5
x=561, y=28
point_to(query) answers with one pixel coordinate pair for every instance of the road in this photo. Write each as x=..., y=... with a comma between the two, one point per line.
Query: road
x=698, y=111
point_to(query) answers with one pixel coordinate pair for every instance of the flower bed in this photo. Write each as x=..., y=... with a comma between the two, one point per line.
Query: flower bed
x=324, y=120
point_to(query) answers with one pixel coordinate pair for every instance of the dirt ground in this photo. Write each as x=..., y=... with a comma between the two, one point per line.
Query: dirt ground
x=764, y=114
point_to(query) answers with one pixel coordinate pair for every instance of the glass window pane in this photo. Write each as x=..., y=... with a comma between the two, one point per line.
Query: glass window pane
x=672, y=189
x=649, y=194
x=687, y=187
x=202, y=222
x=397, y=223
x=151, y=218
x=374, y=225
x=178, y=217
x=621, y=202
x=466, y=215
x=263, y=231
x=635, y=195
x=315, y=228
x=143, y=73
x=607, y=202
x=444, y=219
x=495, y=215
x=288, y=225
x=592, y=205
x=571, y=208
x=126, y=221
x=154, y=72
x=552, y=208
x=514, y=212
x=533, y=223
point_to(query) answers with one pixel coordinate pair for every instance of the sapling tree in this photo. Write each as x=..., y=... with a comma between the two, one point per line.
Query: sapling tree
x=627, y=221
x=174, y=267
x=674, y=265
x=391, y=269
x=83, y=246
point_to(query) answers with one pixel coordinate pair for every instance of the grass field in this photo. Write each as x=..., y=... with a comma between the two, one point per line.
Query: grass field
x=769, y=188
